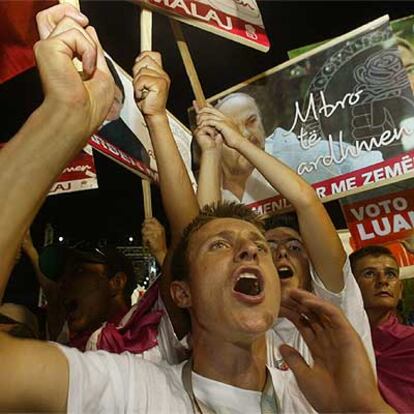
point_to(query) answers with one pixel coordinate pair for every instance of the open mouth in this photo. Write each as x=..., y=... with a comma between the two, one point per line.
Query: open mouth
x=248, y=285
x=285, y=272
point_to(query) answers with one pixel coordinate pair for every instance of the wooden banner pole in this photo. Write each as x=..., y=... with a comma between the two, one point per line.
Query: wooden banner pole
x=188, y=63
x=146, y=44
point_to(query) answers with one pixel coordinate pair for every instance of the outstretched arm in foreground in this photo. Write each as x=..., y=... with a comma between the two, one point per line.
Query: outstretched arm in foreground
x=34, y=375
x=55, y=132
x=341, y=378
x=151, y=85
x=325, y=250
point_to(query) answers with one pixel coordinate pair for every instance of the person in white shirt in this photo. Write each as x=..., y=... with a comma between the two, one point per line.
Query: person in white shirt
x=308, y=254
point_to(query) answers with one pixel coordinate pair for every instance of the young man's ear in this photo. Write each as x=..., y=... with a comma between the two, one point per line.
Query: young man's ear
x=118, y=282
x=180, y=293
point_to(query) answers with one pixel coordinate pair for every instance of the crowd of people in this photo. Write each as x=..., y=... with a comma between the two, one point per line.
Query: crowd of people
x=247, y=316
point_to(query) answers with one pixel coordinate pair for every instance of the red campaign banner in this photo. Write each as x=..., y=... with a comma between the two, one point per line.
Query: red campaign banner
x=357, y=181
x=79, y=175
x=382, y=219
x=122, y=158
x=238, y=20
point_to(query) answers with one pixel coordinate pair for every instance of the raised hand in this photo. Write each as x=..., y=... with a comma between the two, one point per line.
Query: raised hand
x=209, y=119
x=153, y=236
x=341, y=378
x=208, y=138
x=65, y=35
x=151, y=84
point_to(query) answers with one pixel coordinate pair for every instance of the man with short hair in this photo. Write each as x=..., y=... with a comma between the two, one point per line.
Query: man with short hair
x=377, y=273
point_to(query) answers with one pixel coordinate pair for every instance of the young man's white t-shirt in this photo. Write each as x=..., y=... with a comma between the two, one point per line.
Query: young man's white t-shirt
x=349, y=300
x=124, y=383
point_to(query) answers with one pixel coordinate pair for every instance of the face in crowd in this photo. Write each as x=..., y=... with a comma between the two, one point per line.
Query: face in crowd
x=86, y=292
x=378, y=279
x=242, y=109
x=290, y=257
x=232, y=289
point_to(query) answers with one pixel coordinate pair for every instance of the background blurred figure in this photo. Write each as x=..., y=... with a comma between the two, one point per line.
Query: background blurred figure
x=94, y=287
x=377, y=273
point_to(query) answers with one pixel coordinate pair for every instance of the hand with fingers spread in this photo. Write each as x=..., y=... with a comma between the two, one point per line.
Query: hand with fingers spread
x=151, y=84
x=209, y=118
x=153, y=236
x=65, y=34
x=341, y=378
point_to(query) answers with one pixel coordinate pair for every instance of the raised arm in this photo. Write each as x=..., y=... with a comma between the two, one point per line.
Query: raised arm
x=71, y=111
x=317, y=230
x=151, y=85
x=209, y=177
x=34, y=375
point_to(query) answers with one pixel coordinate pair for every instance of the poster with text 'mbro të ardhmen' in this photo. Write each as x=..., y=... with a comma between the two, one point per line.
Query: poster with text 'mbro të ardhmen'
x=338, y=115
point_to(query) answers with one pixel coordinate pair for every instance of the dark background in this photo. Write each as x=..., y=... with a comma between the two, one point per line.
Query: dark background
x=115, y=211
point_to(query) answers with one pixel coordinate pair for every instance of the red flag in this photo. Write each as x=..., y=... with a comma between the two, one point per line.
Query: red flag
x=18, y=34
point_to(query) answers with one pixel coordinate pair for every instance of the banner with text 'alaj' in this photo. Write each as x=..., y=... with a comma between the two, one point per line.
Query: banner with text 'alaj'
x=238, y=20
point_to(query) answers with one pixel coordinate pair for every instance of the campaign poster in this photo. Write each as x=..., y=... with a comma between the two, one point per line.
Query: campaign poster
x=79, y=175
x=404, y=34
x=383, y=216
x=337, y=115
x=238, y=20
x=124, y=136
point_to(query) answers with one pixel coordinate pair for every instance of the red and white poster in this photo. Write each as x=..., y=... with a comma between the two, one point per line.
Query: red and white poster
x=79, y=175
x=386, y=219
x=238, y=20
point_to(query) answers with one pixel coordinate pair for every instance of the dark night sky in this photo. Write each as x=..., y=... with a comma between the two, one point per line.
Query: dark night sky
x=116, y=208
